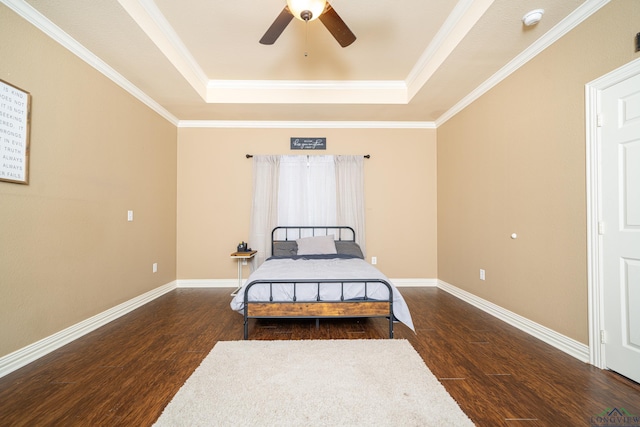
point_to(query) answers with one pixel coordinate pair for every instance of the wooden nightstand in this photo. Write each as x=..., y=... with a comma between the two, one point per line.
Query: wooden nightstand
x=241, y=257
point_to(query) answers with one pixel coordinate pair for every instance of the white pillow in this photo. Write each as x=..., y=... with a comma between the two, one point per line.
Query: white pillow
x=317, y=245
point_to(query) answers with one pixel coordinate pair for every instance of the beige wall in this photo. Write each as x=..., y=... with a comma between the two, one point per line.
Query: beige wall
x=514, y=162
x=66, y=249
x=215, y=186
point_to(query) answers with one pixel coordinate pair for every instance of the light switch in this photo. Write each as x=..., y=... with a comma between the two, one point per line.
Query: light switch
x=129, y=215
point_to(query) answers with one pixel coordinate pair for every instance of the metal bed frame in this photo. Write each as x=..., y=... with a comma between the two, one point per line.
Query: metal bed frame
x=317, y=309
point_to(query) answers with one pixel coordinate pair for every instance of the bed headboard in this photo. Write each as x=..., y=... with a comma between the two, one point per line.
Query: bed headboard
x=292, y=233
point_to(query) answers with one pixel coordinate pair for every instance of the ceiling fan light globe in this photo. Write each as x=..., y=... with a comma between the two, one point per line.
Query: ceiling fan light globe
x=316, y=7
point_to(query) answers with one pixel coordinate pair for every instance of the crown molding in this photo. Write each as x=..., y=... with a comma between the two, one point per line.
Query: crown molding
x=34, y=17
x=243, y=124
x=460, y=21
x=31, y=15
x=151, y=20
x=154, y=24
x=584, y=11
x=395, y=92
x=307, y=92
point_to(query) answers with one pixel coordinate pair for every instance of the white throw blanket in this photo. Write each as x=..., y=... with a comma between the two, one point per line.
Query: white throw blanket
x=319, y=269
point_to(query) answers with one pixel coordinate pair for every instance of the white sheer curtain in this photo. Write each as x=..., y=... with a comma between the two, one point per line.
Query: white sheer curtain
x=264, y=210
x=307, y=190
x=350, y=195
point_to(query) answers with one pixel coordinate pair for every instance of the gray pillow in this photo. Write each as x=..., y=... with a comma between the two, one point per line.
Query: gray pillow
x=349, y=248
x=288, y=249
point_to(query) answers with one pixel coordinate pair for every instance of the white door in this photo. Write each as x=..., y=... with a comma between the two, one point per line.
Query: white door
x=620, y=219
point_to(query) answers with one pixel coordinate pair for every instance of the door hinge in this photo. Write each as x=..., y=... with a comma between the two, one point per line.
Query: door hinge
x=601, y=228
x=599, y=120
x=603, y=336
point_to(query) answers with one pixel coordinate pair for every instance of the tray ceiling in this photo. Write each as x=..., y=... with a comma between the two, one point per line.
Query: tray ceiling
x=413, y=61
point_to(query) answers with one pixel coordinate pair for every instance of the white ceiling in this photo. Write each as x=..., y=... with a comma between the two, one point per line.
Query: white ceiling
x=414, y=61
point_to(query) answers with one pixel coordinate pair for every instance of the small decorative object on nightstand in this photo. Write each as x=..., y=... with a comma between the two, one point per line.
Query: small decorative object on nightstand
x=241, y=257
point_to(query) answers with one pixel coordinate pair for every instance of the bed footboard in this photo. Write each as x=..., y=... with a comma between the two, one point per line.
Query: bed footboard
x=318, y=308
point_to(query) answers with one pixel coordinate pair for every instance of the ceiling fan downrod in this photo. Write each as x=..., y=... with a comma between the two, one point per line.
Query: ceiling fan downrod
x=306, y=30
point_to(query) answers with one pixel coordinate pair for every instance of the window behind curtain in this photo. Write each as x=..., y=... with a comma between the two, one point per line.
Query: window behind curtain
x=305, y=190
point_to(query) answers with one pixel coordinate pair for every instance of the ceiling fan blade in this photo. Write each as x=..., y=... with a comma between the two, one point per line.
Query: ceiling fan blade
x=277, y=27
x=336, y=26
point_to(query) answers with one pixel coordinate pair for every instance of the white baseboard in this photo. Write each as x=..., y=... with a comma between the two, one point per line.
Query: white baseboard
x=32, y=352
x=415, y=283
x=561, y=342
x=568, y=345
x=233, y=283
x=207, y=283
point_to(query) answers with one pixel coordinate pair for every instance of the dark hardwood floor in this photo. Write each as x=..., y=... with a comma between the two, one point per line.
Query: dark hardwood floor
x=126, y=372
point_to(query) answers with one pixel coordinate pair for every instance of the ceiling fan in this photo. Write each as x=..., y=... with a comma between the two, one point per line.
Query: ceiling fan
x=309, y=10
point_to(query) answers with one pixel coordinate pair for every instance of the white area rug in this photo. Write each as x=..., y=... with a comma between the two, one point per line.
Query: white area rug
x=313, y=383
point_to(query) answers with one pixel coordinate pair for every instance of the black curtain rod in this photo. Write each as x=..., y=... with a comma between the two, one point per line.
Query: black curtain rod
x=366, y=156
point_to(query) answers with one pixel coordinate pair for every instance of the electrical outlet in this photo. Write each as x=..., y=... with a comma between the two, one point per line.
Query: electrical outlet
x=482, y=274
x=154, y=268
x=374, y=260
x=129, y=215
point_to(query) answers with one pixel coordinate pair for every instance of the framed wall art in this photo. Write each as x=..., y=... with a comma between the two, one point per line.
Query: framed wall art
x=15, y=121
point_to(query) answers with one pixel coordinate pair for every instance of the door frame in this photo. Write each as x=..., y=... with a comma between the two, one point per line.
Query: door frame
x=593, y=90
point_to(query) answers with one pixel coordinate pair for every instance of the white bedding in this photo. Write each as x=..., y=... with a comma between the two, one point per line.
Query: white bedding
x=317, y=269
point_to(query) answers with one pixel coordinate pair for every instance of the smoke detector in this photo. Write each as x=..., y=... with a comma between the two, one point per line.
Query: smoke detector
x=532, y=17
